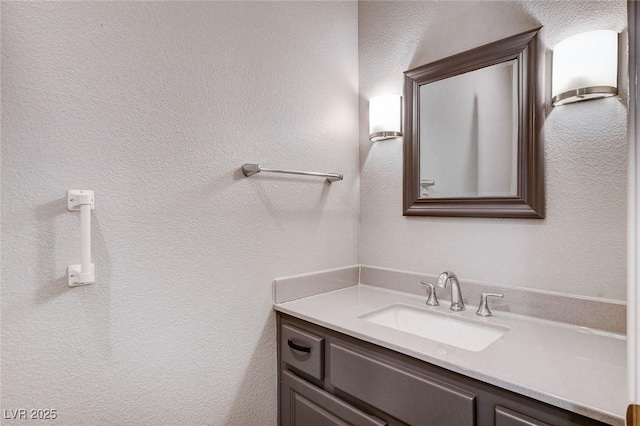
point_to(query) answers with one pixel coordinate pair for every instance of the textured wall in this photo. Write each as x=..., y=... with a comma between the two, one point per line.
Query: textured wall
x=580, y=247
x=154, y=106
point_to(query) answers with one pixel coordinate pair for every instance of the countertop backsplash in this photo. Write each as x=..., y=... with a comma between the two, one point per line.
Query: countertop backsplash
x=599, y=314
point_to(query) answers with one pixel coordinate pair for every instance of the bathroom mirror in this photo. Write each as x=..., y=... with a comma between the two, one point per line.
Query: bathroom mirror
x=473, y=144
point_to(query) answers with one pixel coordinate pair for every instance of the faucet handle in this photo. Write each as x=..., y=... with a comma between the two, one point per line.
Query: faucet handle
x=432, y=299
x=483, y=309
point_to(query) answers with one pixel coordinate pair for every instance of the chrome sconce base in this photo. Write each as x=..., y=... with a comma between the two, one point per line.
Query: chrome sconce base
x=584, y=94
x=380, y=136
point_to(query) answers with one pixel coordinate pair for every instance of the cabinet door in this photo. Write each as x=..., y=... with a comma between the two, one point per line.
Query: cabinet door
x=303, y=404
x=411, y=398
x=506, y=417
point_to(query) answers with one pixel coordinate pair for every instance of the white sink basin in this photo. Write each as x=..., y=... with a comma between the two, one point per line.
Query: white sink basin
x=445, y=328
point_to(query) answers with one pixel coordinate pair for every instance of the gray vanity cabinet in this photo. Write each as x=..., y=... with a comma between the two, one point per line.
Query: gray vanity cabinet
x=328, y=378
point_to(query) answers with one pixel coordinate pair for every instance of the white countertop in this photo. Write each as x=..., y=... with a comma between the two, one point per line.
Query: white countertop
x=575, y=368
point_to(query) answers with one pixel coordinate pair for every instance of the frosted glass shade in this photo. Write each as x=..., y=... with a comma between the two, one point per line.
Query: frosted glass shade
x=585, y=66
x=385, y=117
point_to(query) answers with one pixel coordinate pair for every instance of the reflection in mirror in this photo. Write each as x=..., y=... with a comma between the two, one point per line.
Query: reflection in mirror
x=472, y=132
x=469, y=134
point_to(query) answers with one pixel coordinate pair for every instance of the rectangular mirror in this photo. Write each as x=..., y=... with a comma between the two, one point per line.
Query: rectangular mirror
x=472, y=140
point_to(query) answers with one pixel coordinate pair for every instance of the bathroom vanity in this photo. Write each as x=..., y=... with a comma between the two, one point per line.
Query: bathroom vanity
x=338, y=366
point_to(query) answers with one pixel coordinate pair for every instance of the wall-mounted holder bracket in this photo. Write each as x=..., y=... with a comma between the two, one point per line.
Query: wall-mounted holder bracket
x=84, y=273
x=79, y=197
x=76, y=277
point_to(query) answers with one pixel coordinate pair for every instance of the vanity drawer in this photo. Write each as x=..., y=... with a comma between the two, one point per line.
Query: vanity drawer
x=302, y=351
x=409, y=397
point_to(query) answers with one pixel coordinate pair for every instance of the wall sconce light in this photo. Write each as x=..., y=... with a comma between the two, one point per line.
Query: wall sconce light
x=585, y=66
x=385, y=117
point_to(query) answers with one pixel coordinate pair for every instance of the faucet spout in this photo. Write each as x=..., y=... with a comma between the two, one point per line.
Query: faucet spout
x=457, y=304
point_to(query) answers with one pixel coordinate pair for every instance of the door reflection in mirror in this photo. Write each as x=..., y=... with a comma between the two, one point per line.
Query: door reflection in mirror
x=469, y=133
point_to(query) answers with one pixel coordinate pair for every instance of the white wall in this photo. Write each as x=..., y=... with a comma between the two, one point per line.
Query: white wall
x=154, y=106
x=580, y=247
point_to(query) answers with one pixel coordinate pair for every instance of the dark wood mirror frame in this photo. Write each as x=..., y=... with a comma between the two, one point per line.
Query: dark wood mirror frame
x=529, y=200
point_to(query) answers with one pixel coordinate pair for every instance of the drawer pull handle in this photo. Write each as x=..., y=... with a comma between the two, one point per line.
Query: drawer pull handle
x=298, y=347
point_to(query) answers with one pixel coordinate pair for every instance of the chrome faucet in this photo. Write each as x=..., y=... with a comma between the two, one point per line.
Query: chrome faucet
x=456, y=294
